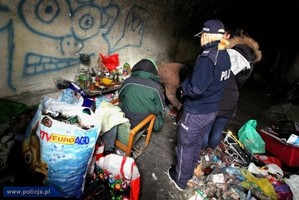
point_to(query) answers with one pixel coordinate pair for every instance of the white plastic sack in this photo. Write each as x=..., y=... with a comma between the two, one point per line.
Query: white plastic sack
x=293, y=183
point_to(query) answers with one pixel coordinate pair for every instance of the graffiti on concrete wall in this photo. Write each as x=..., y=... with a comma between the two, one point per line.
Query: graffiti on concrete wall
x=6, y=31
x=134, y=27
x=55, y=32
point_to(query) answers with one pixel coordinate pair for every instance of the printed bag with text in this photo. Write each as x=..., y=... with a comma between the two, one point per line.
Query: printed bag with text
x=121, y=175
x=66, y=149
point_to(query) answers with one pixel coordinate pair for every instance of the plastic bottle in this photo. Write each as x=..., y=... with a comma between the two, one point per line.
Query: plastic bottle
x=232, y=171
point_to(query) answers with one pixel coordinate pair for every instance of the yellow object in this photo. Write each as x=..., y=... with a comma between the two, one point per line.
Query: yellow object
x=263, y=183
x=230, y=133
x=106, y=81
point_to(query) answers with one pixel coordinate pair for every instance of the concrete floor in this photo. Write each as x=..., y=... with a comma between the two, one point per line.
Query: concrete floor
x=160, y=153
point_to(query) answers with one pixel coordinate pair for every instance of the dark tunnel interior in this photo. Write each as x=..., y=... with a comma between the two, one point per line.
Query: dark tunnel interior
x=272, y=24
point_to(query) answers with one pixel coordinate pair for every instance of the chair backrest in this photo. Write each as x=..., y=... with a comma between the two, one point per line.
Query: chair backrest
x=127, y=144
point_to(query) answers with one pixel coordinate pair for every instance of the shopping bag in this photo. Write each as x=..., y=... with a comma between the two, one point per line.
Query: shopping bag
x=110, y=61
x=250, y=138
x=262, y=183
x=63, y=137
x=73, y=93
x=121, y=175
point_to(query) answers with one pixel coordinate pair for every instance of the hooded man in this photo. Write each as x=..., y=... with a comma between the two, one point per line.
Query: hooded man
x=142, y=94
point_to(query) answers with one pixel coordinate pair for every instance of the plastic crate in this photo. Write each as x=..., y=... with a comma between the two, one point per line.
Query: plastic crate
x=288, y=154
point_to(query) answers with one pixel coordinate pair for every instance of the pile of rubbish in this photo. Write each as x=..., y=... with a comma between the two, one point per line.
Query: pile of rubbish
x=54, y=141
x=233, y=172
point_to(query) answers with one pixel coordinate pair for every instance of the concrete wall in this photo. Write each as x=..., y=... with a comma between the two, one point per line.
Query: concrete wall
x=42, y=39
x=293, y=72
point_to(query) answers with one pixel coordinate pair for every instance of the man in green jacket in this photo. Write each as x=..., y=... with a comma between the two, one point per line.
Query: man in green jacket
x=142, y=94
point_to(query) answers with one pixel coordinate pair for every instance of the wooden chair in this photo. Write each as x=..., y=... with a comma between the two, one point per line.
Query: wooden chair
x=149, y=120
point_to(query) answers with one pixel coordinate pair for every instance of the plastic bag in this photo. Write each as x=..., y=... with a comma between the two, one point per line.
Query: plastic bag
x=73, y=93
x=110, y=61
x=283, y=191
x=293, y=183
x=63, y=146
x=69, y=96
x=263, y=183
x=269, y=160
x=250, y=138
x=119, y=175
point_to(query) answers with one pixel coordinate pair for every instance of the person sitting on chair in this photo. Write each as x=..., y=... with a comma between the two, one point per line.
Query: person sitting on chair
x=142, y=94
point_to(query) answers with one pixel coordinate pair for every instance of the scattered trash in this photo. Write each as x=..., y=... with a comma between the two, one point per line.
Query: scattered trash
x=154, y=176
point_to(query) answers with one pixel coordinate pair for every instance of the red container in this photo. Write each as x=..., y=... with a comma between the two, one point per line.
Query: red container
x=288, y=154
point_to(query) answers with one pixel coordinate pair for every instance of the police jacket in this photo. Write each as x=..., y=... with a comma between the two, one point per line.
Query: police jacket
x=202, y=91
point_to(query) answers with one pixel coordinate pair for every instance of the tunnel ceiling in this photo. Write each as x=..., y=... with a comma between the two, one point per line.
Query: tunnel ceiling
x=262, y=19
x=272, y=23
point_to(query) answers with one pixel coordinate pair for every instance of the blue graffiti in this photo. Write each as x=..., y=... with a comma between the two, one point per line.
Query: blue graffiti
x=4, y=8
x=83, y=21
x=10, y=34
x=87, y=21
x=71, y=43
x=133, y=30
x=8, y=28
x=50, y=9
x=36, y=64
